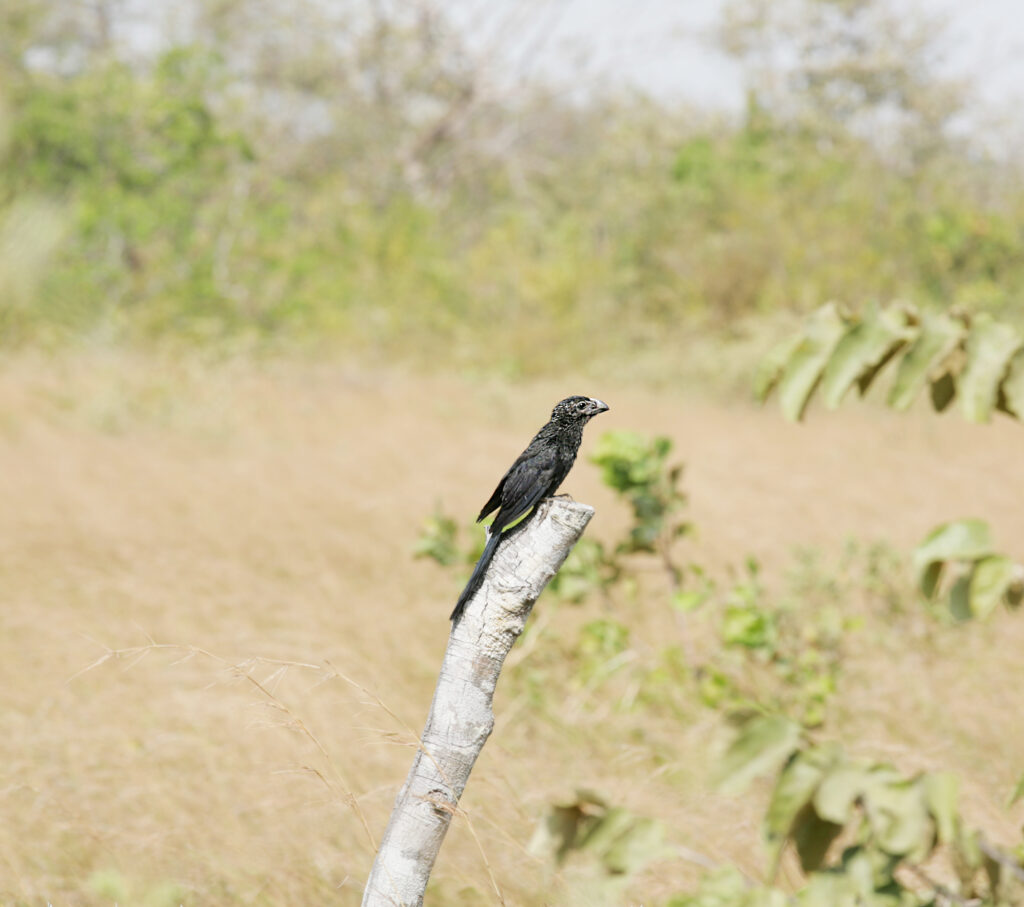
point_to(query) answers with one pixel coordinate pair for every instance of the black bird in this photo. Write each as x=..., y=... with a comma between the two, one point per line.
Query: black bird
x=535, y=475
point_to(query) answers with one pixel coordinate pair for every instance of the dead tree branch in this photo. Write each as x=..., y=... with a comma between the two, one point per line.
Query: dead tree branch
x=461, y=716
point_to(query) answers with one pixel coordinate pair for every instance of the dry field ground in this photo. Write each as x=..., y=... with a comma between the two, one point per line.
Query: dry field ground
x=240, y=536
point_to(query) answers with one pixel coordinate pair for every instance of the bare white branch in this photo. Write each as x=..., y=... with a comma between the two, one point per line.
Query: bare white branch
x=461, y=716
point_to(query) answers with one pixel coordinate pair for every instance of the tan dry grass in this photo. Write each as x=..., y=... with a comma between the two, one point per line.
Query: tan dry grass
x=266, y=514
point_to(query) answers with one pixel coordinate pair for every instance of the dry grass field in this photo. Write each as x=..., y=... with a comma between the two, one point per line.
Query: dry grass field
x=216, y=648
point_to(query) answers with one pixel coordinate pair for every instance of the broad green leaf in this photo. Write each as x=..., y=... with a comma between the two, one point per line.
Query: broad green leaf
x=838, y=791
x=762, y=745
x=941, y=790
x=795, y=789
x=1013, y=385
x=899, y=817
x=747, y=626
x=641, y=843
x=622, y=841
x=965, y=540
x=868, y=872
x=1015, y=594
x=438, y=539
x=969, y=848
x=812, y=836
x=630, y=461
x=867, y=377
x=615, y=822
x=588, y=800
x=960, y=599
x=689, y=600
x=830, y=889
x=939, y=336
x=556, y=833
x=861, y=349
x=824, y=330
x=567, y=825
x=930, y=578
x=990, y=346
x=990, y=580
x=942, y=392
x=772, y=366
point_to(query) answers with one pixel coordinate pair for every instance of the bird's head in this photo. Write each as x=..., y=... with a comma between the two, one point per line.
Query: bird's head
x=578, y=409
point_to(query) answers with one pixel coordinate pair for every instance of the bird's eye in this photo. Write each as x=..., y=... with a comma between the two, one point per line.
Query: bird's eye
x=582, y=405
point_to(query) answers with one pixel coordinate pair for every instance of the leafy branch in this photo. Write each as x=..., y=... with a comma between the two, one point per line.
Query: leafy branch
x=958, y=564
x=891, y=829
x=975, y=359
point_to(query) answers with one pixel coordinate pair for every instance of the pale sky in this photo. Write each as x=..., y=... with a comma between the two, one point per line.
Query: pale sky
x=658, y=44
x=663, y=46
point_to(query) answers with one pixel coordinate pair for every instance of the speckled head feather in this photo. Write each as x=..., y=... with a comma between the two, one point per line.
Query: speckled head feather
x=577, y=409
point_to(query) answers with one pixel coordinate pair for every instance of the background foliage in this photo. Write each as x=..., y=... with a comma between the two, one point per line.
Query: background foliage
x=365, y=177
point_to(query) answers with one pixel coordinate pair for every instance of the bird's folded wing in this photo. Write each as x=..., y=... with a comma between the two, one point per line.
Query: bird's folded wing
x=524, y=486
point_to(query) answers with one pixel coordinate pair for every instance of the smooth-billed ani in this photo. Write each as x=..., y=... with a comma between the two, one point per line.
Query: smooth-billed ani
x=535, y=475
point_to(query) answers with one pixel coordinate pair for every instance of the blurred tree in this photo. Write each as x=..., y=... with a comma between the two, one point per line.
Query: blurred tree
x=839, y=67
x=397, y=176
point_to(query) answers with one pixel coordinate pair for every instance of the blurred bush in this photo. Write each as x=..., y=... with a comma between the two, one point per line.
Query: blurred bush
x=367, y=177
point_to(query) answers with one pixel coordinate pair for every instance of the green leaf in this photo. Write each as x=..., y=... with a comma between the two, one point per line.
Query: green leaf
x=555, y=835
x=838, y=791
x=812, y=836
x=567, y=825
x=795, y=789
x=629, y=460
x=990, y=346
x=942, y=391
x=990, y=581
x=965, y=540
x=969, y=848
x=437, y=539
x=868, y=873
x=764, y=743
x=861, y=349
x=939, y=336
x=960, y=599
x=637, y=845
x=803, y=371
x=898, y=815
x=1015, y=594
x=772, y=366
x=930, y=579
x=616, y=821
x=832, y=889
x=941, y=790
x=689, y=600
x=1013, y=385
x=746, y=626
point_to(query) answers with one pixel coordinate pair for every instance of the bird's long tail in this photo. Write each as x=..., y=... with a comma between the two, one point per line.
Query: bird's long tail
x=478, y=575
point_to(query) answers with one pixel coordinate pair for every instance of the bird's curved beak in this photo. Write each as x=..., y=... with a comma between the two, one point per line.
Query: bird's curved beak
x=599, y=406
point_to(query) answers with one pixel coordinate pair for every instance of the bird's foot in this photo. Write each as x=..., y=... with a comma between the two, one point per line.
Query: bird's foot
x=564, y=497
